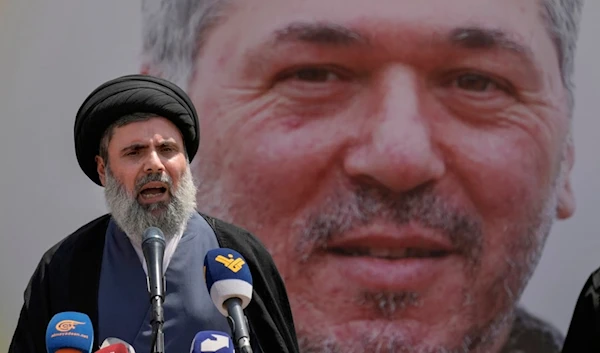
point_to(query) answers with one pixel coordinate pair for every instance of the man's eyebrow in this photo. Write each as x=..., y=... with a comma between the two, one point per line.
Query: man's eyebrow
x=472, y=37
x=134, y=147
x=318, y=33
x=141, y=146
x=486, y=38
x=169, y=143
x=475, y=38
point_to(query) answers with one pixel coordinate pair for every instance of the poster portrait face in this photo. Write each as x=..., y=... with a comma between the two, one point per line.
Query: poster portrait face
x=402, y=161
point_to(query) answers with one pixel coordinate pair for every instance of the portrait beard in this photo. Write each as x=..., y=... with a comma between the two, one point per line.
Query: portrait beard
x=423, y=206
x=134, y=218
x=350, y=207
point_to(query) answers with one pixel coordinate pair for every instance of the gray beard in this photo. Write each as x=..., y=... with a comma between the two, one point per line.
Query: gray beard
x=480, y=338
x=134, y=218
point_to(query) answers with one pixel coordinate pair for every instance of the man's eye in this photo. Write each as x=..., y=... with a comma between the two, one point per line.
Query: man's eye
x=475, y=83
x=314, y=75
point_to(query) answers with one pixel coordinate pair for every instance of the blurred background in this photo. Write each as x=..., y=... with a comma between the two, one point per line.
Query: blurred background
x=53, y=53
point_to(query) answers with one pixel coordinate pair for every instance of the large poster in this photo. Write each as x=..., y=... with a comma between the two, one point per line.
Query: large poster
x=419, y=171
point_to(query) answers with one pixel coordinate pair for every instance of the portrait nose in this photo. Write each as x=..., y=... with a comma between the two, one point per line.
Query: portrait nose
x=396, y=149
x=153, y=163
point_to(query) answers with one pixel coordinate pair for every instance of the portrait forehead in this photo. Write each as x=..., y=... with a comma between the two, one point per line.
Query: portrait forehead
x=257, y=27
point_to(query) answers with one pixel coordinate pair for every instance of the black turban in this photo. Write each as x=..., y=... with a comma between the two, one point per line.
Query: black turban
x=127, y=95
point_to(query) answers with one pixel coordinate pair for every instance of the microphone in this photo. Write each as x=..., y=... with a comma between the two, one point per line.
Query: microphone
x=229, y=283
x=113, y=348
x=212, y=342
x=112, y=341
x=153, y=247
x=69, y=332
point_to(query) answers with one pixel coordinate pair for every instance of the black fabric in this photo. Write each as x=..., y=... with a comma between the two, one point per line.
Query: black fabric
x=530, y=334
x=126, y=95
x=584, y=330
x=67, y=277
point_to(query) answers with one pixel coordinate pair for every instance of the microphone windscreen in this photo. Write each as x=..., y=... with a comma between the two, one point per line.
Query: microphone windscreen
x=227, y=276
x=114, y=348
x=153, y=234
x=212, y=341
x=113, y=340
x=70, y=329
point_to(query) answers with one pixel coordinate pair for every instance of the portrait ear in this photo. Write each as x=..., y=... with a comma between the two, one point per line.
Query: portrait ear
x=566, y=197
x=101, y=168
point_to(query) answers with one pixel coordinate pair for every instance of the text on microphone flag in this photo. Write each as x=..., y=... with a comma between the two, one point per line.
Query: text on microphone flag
x=229, y=262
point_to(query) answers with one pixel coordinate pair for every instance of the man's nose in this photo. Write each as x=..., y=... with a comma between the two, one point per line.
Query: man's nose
x=396, y=149
x=153, y=163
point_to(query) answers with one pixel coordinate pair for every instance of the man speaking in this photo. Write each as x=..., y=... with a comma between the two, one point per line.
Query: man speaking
x=135, y=136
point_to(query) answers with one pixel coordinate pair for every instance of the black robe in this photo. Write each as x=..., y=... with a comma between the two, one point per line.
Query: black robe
x=67, y=279
x=584, y=331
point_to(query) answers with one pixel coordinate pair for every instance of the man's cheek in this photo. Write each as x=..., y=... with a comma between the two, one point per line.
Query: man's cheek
x=499, y=172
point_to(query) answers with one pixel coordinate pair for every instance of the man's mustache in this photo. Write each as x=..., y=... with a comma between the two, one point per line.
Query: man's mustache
x=364, y=204
x=154, y=177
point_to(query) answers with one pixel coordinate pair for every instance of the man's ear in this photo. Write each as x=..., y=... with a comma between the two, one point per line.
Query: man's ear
x=101, y=168
x=147, y=69
x=566, y=197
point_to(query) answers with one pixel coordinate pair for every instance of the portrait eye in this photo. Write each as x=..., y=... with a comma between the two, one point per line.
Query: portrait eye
x=314, y=85
x=470, y=92
x=475, y=83
x=311, y=75
x=315, y=75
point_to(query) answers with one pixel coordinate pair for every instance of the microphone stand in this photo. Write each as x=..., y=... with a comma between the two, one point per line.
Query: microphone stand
x=239, y=325
x=158, y=337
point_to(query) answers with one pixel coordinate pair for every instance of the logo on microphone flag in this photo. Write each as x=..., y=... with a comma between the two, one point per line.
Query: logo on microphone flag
x=213, y=345
x=229, y=262
x=67, y=325
x=212, y=342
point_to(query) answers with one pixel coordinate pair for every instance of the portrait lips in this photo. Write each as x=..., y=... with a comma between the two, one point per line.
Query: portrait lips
x=394, y=259
x=393, y=242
